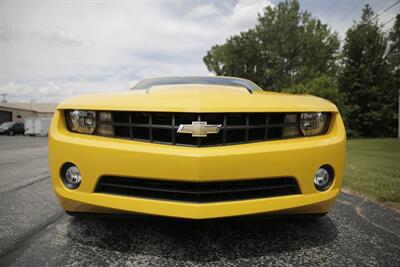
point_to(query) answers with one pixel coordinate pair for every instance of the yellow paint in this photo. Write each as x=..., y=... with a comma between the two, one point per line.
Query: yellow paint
x=199, y=98
x=96, y=156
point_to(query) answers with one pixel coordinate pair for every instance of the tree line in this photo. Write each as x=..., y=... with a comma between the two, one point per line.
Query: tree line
x=289, y=50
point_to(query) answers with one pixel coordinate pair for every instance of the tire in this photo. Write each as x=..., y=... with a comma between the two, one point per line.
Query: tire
x=11, y=133
x=102, y=216
x=312, y=216
x=78, y=215
x=85, y=215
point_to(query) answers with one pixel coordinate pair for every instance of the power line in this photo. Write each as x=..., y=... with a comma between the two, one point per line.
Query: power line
x=390, y=20
x=386, y=9
x=383, y=11
x=376, y=16
x=352, y=10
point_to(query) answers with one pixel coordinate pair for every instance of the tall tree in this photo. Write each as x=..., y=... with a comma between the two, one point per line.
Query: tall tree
x=323, y=86
x=238, y=57
x=394, y=47
x=363, y=77
x=394, y=66
x=288, y=46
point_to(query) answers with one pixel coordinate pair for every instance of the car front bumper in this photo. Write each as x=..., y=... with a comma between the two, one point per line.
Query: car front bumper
x=97, y=156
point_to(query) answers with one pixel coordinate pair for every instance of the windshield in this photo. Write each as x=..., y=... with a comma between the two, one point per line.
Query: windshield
x=6, y=125
x=147, y=84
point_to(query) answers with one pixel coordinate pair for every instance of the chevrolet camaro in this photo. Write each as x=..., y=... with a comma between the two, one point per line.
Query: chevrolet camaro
x=197, y=148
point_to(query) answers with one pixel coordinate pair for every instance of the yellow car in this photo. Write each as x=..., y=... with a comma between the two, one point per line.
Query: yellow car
x=198, y=148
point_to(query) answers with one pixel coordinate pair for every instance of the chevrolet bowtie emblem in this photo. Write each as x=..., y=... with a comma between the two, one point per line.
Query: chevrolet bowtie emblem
x=199, y=128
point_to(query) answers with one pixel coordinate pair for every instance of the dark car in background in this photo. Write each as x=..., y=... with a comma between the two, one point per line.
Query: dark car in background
x=12, y=128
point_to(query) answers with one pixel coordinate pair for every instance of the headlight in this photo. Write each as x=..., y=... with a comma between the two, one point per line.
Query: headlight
x=81, y=121
x=291, y=125
x=314, y=123
x=104, y=124
x=89, y=122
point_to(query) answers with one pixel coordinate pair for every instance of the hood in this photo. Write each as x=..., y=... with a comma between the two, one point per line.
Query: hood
x=199, y=98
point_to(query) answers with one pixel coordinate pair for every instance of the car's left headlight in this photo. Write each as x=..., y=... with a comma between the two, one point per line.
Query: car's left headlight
x=314, y=123
x=89, y=122
x=81, y=121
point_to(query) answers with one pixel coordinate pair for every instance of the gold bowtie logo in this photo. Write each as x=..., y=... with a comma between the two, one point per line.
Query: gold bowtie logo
x=199, y=128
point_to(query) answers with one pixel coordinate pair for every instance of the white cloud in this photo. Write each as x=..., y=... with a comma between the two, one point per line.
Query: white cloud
x=203, y=11
x=51, y=50
x=59, y=36
x=8, y=34
x=245, y=11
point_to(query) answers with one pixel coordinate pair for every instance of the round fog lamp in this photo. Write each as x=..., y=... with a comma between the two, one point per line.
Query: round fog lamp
x=323, y=178
x=71, y=176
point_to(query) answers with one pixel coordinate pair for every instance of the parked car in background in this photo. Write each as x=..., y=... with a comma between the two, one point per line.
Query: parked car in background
x=12, y=128
x=37, y=126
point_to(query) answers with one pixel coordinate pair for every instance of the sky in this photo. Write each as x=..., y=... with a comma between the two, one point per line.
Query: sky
x=50, y=50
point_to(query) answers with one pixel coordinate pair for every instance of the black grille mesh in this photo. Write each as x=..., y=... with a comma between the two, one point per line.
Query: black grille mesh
x=161, y=127
x=198, y=192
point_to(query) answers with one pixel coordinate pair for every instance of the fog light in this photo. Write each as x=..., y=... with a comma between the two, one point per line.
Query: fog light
x=323, y=178
x=71, y=176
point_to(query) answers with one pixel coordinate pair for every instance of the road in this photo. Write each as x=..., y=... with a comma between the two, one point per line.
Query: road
x=34, y=231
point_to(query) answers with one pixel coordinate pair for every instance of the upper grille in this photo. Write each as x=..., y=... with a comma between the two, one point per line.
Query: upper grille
x=237, y=128
x=198, y=192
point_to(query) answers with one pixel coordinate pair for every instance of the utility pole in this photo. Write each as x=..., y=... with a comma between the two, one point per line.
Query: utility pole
x=30, y=103
x=4, y=100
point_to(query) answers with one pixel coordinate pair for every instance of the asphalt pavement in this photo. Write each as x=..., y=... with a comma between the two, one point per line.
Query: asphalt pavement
x=34, y=231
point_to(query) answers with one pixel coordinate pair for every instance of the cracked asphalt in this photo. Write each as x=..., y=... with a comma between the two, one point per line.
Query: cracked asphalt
x=34, y=231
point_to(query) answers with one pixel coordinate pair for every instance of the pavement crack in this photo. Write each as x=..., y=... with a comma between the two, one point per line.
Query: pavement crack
x=359, y=210
x=9, y=254
x=4, y=162
x=345, y=202
x=28, y=182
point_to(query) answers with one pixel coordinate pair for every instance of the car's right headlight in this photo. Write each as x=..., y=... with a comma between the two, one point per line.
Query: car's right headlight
x=314, y=123
x=89, y=122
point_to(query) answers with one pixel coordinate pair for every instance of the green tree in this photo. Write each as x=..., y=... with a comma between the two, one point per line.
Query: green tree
x=363, y=78
x=394, y=48
x=238, y=57
x=394, y=67
x=288, y=46
x=323, y=86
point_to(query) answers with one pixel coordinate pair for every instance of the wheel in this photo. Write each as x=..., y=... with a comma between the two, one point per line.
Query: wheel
x=11, y=133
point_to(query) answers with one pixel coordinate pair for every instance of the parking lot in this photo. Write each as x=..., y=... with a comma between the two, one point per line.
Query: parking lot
x=34, y=231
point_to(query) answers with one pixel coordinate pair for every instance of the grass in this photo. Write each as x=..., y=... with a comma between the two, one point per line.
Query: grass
x=373, y=168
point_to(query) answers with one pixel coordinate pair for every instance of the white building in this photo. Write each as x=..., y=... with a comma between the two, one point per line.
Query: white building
x=19, y=111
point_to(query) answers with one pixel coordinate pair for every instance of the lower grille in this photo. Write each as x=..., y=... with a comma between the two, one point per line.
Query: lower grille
x=198, y=192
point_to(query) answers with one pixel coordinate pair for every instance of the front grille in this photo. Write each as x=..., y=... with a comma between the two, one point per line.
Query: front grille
x=198, y=192
x=236, y=128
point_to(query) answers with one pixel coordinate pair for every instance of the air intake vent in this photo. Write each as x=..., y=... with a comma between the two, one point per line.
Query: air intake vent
x=198, y=192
